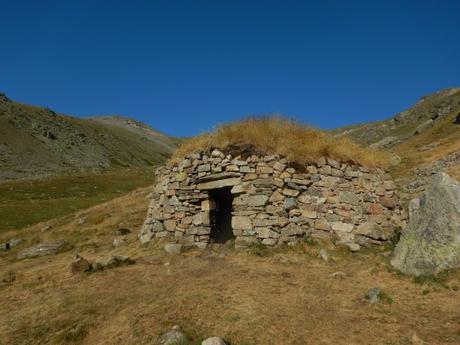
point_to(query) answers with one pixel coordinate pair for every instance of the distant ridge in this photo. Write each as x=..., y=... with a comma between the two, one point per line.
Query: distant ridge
x=36, y=141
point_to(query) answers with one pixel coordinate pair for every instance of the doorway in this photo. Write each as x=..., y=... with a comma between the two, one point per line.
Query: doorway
x=221, y=216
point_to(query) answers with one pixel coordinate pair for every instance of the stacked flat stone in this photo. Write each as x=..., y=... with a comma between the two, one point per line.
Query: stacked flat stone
x=273, y=203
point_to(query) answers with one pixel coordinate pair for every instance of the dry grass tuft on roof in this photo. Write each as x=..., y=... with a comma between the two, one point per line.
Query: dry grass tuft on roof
x=289, y=138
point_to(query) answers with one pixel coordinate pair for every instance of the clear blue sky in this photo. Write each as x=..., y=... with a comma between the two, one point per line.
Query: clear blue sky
x=185, y=66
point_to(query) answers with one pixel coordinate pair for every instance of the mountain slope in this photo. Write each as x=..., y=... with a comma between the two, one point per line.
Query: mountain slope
x=139, y=128
x=36, y=141
x=429, y=111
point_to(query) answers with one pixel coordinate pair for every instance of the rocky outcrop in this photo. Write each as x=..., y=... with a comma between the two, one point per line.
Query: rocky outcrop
x=42, y=249
x=431, y=241
x=273, y=202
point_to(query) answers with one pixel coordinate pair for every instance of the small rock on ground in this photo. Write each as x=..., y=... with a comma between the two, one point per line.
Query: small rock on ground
x=173, y=248
x=323, y=255
x=214, y=341
x=118, y=242
x=374, y=295
x=113, y=261
x=338, y=274
x=173, y=337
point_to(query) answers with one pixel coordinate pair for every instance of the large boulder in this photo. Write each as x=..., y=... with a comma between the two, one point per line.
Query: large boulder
x=431, y=241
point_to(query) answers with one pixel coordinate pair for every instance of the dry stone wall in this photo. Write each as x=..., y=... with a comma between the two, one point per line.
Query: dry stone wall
x=273, y=203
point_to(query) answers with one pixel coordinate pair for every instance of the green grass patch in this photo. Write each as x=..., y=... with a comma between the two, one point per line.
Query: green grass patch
x=26, y=202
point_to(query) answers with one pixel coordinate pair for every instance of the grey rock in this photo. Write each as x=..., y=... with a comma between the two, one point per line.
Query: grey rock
x=431, y=241
x=373, y=230
x=10, y=244
x=241, y=223
x=173, y=337
x=323, y=255
x=173, y=248
x=374, y=295
x=115, y=261
x=348, y=198
x=146, y=237
x=214, y=341
x=118, y=242
x=44, y=249
x=290, y=203
x=228, y=182
x=353, y=247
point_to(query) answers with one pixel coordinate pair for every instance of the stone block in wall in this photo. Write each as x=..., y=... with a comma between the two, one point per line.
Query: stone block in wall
x=170, y=224
x=343, y=213
x=162, y=234
x=201, y=218
x=208, y=205
x=293, y=230
x=264, y=169
x=276, y=196
x=342, y=227
x=232, y=168
x=276, y=210
x=308, y=213
x=266, y=232
x=282, y=221
x=348, y=198
x=373, y=230
x=257, y=222
x=228, y=182
x=198, y=230
x=241, y=223
x=247, y=169
x=250, y=177
x=344, y=237
x=290, y=204
x=244, y=188
x=178, y=236
x=387, y=202
x=374, y=208
x=185, y=163
x=251, y=200
x=279, y=166
x=269, y=241
x=337, y=172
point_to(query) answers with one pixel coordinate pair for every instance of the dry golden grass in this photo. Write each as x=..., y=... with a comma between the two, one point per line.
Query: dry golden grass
x=286, y=137
x=285, y=296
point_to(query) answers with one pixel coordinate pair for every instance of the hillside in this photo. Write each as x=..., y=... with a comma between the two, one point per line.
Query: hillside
x=423, y=139
x=37, y=141
x=429, y=111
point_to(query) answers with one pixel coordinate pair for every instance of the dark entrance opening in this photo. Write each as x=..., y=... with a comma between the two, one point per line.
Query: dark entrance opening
x=221, y=215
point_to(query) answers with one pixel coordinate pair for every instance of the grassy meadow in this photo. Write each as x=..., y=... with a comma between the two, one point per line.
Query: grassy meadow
x=26, y=202
x=256, y=296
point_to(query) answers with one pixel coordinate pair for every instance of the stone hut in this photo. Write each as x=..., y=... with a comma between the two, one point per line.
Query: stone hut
x=212, y=197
